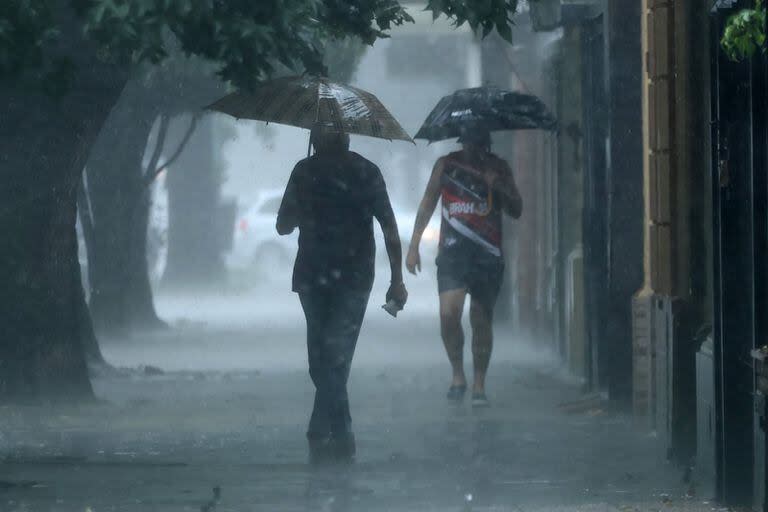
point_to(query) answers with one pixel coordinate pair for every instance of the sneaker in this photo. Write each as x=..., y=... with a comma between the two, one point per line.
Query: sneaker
x=456, y=393
x=479, y=400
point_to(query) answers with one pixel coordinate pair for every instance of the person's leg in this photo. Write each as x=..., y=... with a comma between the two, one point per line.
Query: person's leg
x=451, y=308
x=484, y=286
x=481, y=319
x=343, y=330
x=316, y=314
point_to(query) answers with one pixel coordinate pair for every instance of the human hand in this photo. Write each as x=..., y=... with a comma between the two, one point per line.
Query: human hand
x=492, y=177
x=413, y=261
x=397, y=293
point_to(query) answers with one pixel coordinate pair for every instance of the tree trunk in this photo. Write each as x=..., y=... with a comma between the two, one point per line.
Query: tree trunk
x=119, y=198
x=121, y=294
x=195, y=248
x=140, y=305
x=44, y=143
x=90, y=342
x=43, y=352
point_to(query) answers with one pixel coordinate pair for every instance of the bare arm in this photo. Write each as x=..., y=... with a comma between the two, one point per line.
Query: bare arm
x=382, y=210
x=386, y=218
x=392, y=243
x=426, y=209
x=512, y=203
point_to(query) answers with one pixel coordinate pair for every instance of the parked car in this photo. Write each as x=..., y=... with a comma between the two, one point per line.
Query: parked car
x=255, y=242
x=257, y=246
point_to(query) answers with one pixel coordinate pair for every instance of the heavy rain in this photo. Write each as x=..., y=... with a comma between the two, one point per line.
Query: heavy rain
x=383, y=255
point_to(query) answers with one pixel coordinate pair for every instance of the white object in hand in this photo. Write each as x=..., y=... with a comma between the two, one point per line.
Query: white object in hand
x=392, y=307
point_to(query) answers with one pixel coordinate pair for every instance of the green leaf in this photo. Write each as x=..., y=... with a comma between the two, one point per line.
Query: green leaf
x=744, y=33
x=244, y=40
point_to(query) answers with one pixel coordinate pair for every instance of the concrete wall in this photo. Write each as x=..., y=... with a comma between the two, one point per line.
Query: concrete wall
x=530, y=295
x=677, y=225
x=545, y=273
x=570, y=174
x=624, y=199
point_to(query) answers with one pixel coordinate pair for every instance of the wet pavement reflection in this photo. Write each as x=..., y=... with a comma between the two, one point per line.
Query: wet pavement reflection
x=164, y=439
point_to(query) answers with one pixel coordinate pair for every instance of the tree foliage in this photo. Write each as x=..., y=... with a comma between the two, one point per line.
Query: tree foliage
x=481, y=15
x=744, y=32
x=245, y=39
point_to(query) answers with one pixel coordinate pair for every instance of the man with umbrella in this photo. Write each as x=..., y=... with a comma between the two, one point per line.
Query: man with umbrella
x=332, y=197
x=476, y=187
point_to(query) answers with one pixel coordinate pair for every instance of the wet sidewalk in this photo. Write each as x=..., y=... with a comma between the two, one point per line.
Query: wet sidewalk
x=163, y=440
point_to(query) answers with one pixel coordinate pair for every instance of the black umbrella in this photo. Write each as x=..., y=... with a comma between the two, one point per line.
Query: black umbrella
x=485, y=109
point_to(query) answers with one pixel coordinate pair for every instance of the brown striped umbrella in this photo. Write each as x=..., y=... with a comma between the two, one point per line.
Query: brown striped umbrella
x=305, y=100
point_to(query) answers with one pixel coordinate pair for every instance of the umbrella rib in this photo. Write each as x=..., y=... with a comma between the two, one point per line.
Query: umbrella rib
x=301, y=110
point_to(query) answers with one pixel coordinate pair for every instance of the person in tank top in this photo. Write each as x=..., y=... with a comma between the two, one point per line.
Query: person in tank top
x=475, y=188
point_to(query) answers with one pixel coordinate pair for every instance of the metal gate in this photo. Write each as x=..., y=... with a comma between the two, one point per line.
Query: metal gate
x=740, y=265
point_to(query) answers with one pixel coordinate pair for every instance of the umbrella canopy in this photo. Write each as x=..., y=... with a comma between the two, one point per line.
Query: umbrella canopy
x=303, y=101
x=485, y=109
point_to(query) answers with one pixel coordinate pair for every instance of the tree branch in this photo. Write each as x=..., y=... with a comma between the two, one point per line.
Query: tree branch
x=157, y=152
x=151, y=176
x=84, y=211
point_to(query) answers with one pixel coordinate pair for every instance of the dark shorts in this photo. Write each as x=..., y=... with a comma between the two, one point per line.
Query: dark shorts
x=482, y=279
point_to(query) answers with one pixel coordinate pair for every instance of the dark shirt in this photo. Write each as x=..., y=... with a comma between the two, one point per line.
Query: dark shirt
x=333, y=199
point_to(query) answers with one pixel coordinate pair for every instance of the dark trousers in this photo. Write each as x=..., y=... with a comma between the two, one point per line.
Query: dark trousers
x=333, y=318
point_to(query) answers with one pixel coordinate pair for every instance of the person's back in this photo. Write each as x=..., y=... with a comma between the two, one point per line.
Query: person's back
x=338, y=196
x=332, y=197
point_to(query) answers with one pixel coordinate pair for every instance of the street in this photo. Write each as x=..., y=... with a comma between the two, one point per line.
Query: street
x=225, y=405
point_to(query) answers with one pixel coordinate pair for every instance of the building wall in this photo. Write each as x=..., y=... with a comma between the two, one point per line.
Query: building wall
x=545, y=278
x=530, y=292
x=570, y=176
x=677, y=225
x=624, y=199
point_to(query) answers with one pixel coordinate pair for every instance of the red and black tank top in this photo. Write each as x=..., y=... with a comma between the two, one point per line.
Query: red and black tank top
x=471, y=218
